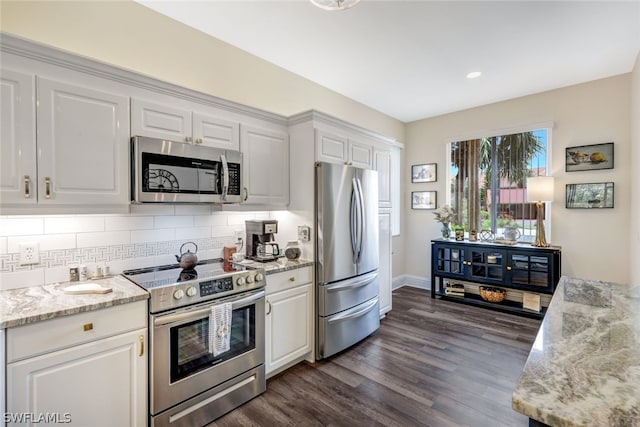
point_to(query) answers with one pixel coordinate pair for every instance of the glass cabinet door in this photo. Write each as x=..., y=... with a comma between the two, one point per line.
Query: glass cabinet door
x=487, y=264
x=530, y=271
x=450, y=260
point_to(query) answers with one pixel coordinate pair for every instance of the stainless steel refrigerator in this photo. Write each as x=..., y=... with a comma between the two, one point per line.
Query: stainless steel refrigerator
x=346, y=256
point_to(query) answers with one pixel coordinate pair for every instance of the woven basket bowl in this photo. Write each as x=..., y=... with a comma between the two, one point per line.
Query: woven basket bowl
x=492, y=294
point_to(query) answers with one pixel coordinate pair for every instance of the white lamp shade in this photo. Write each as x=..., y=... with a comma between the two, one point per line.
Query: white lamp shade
x=540, y=189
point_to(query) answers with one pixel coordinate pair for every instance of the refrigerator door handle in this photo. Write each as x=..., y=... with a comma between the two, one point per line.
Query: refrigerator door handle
x=354, y=220
x=367, y=308
x=350, y=285
x=361, y=227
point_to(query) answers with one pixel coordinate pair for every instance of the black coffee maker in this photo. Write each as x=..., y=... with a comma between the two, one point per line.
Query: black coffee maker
x=260, y=244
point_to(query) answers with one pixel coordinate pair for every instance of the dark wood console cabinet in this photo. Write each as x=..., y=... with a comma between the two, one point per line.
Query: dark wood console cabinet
x=519, y=269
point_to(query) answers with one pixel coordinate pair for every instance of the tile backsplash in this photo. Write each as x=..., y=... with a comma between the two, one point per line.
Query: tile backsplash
x=149, y=235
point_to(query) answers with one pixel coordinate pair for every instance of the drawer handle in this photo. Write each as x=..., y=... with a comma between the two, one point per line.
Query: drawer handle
x=141, y=339
x=269, y=304
x=292, y=279
x=87, y=327
x=47, y=187
x=27, y=187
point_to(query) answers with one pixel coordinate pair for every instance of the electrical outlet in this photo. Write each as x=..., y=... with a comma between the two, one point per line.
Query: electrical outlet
x=239, y=234
x=29, y=253
x=304, y=232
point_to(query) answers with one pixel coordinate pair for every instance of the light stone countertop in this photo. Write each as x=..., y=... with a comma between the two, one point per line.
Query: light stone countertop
x=37, y=303
x=273, y=267
x=584, y=366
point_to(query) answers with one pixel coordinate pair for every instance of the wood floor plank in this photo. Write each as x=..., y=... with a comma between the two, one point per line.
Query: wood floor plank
x=432, y=363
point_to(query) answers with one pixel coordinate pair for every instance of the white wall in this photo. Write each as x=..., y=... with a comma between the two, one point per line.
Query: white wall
x=634, y=248
x=594, y=242
x=131, y=36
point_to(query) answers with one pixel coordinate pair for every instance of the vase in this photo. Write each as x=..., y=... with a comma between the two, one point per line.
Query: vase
x=446, y=231
x=292, y=250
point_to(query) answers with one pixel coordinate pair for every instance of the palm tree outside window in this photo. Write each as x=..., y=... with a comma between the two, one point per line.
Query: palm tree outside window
x=488, y=181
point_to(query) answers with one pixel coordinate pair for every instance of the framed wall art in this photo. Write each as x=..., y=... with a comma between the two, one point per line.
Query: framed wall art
x=590, y=196
x=589, y=157
x=427, y=172
x=424, y=200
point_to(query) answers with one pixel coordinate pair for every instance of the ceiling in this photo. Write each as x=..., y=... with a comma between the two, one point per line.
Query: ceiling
x=409, y=59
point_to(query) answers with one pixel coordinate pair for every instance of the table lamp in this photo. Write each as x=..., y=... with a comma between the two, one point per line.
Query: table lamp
x=540, y=190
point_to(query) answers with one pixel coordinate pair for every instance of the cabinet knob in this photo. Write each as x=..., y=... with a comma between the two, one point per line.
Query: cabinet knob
x=292, y=279
x=509, y=267
x=87, y=327
x=187, y=139
x=198, y=140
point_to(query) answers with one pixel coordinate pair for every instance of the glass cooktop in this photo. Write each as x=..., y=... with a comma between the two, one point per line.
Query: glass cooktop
x=154, y=277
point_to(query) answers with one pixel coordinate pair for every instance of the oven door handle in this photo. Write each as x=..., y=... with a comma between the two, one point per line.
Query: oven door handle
x=191, y=315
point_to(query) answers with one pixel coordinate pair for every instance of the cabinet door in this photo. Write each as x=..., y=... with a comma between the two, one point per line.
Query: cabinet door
x=383, y=165
x=216, y=132
x=449, y=261
x=18, y=178
x=101, y=383
x=360, y=154
x=288, y=326
x=384, y=269
x=331, y=148
x=83, y=145
x=530, y=271
x=160, y=121
x=486, y=265
x=265, y=169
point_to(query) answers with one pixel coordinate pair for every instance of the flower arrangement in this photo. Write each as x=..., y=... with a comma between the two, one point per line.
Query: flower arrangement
x=445, y=214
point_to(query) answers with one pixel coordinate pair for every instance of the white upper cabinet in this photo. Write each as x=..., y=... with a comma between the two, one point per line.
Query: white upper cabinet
x=183, y=125
x=83, y=140
x=382, y=163
x=334, y=148
x=18, y=175
x=265, y=169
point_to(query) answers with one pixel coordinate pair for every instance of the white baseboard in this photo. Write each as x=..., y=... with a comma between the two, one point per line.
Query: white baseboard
x=408, y=280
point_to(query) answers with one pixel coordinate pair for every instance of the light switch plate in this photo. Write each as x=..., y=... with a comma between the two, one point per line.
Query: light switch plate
x=304, y=233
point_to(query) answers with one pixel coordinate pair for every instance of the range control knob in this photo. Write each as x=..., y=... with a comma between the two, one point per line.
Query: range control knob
x=178, y=294
x=191, y=291
x=259, y=277
x=241, y=281
x=249, y=278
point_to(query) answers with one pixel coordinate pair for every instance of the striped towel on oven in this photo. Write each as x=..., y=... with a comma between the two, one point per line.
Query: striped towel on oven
x=220, y=329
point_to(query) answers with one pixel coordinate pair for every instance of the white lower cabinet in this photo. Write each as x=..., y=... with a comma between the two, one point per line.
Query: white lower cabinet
x=99, y=382
x=384, y=268
x=289, y=319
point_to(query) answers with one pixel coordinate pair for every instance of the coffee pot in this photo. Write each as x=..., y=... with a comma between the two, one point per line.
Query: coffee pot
x=187, y=260
x=268, y=250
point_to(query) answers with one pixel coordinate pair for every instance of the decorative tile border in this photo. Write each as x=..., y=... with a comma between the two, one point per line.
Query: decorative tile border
x=70, y=257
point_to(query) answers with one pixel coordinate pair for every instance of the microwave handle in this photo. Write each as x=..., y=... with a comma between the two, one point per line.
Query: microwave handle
x=225, y=177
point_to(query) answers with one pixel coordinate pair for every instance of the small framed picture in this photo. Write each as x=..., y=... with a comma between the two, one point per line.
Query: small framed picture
x=589, y=157
x=424, y=200
x=424, y=173
x=590, y=196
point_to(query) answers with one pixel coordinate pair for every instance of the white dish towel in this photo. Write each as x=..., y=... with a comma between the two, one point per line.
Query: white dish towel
x=220, y=329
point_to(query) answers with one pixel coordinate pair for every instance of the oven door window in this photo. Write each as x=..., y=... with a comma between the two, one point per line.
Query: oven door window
x=190, y=343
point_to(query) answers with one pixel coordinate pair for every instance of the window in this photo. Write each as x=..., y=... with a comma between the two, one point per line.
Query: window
x=488, y=179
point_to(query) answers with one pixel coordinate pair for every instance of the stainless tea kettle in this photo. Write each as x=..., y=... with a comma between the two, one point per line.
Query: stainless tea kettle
x=189, y=259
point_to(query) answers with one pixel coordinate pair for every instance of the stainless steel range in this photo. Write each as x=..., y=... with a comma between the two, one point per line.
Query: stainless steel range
x=207, y=340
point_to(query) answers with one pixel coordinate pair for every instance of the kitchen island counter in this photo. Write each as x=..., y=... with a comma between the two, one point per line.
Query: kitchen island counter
x=584, y=366
x=37, y=303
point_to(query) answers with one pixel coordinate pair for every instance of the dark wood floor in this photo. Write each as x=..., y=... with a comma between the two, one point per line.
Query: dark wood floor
x=431, y=363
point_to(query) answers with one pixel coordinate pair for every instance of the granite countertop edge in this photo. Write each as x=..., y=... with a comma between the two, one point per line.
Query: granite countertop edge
x=34, y=304
x=278, y=266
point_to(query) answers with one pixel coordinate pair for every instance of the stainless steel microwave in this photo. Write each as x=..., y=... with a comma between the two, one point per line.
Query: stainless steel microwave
x=165, y=171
